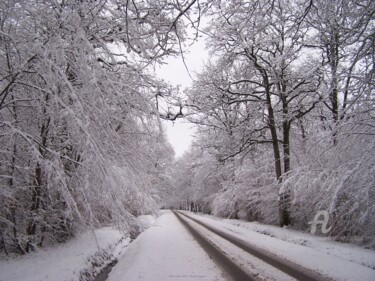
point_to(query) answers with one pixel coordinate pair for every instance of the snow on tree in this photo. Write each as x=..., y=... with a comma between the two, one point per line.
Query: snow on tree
x=81, y=143
x=289, y=91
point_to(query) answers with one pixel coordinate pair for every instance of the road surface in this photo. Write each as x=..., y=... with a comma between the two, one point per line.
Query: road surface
x=184, y=246
x=164, y=252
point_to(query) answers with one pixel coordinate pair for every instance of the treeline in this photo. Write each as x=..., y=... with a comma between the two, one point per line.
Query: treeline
x=285, y=111
x=80, y=136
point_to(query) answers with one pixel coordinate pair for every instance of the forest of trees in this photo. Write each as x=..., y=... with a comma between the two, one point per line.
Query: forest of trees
x=285, y=114
x=80, y=135
x=284, y=111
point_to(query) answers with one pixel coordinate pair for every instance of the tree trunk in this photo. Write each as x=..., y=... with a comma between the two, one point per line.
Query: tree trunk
x=333, y=57
x=284, y=196
x=283, y=213
x=284, y=216
x=272, y=125
x=38, y=182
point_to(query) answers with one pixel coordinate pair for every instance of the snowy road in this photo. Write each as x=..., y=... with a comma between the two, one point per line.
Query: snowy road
x=243, y=255
x=275, y=252
x=167, y=251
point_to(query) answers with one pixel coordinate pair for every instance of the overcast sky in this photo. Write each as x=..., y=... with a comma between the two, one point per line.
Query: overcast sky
x=180, y=132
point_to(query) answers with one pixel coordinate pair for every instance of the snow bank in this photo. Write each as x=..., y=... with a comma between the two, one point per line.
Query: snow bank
x=81, y=257
x=145, y=221
x=337, y=260
x=347, y=251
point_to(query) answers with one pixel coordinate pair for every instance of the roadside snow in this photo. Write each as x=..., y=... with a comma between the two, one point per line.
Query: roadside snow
x=336, y=260
x=249, y=263
x=322, y=244
x=165, y=251
x=145, y=221
x=64, y=261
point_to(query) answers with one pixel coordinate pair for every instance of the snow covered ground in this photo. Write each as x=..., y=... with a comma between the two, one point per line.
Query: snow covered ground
x=338, y=261
x=65, y=261
x=70, y=260
x=165, y=251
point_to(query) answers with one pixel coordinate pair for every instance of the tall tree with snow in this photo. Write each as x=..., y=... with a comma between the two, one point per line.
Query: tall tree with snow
x=290, y=87
x=80, y=137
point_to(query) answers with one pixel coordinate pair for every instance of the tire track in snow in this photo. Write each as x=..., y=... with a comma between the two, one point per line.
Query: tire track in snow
x=294, y=270
x=232, y=270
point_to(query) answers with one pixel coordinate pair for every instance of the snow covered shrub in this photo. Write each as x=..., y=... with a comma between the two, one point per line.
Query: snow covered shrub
x=340, y=180
x=250, y=191
x=257, y=190
x=225, y=204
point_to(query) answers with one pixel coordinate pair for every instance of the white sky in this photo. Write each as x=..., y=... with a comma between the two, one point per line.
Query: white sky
x=180, y=133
